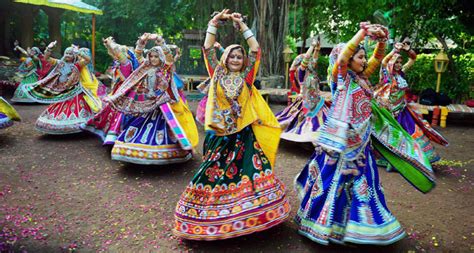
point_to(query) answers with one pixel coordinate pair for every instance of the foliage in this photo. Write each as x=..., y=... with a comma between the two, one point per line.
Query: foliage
x=422, y=76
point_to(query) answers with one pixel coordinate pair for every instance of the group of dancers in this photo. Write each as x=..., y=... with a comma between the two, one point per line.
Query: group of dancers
x=235, y=191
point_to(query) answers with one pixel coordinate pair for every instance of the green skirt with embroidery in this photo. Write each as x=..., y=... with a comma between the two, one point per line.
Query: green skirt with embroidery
x=233, y=193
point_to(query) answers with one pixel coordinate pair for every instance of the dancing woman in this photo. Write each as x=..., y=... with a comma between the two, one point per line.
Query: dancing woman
x=35, y=67
x=234, y=192
x=71, y=90
x=302, y=118
x=342, y=200
x=155, y=136
x=392, y=95
x=109, y=122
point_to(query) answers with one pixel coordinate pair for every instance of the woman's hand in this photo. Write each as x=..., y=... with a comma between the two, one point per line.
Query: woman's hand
x=221, y=16
x=398, y=46
x=406, y=44
x=144, y=36
x=52, y=44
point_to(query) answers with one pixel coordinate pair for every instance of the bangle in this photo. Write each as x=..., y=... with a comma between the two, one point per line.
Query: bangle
x=412, y=54
x=211, y=29
x=305, y=62
x=213, y=22
x=247, y=34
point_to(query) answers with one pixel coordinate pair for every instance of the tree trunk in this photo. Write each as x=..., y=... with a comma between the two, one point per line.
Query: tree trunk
x=5, y=47
x=54, y=27
x=272, y=27
x=27, y=13
x=304, y=28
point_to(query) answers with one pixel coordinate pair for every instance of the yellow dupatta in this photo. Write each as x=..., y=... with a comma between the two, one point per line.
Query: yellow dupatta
x=90, y=85
x=254, y=111
x=8, y=110
x=186, y=120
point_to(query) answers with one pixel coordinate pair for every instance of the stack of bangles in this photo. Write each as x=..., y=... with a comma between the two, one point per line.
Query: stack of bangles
x=212, y=29
x=304, y=62
x=247, y=34
x=412, y=54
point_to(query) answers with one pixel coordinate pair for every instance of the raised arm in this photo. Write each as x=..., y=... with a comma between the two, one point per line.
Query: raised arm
x=380, y=34
x=411, y=60
x=177, y=55
x=313, y=51
x=347, y=52
x=375, y=59
x=116, y=51
x=245, y=30
x=212, y=27
x=140, y=46
x=48, y=51
x=21, y=50
x=396, y=49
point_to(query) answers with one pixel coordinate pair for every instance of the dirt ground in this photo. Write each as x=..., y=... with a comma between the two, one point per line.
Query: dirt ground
x=65, y=194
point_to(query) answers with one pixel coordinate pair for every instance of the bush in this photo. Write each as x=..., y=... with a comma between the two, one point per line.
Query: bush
x=422, y=75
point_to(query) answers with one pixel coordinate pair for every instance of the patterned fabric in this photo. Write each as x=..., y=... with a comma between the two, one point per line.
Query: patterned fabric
x=160, y=133
x=201, y=111
x=234, y=192
x=301, y=119
x=144, y=90
x=19, y=96
x=342, y=199
x=149, y=140
x=8, y=110
x=60, y=85
x=393, y=90
x=5, y=121
x=297, y=125
x=7, y=114
x=46, y=65
x=407, y=121
x=109, y=122
x=65, y=117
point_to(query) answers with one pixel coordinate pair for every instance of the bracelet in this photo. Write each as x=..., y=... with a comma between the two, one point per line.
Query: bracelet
x=247, y=34
x=214, y=22
x=412, y=54
x=212, y=29
x=305, y=62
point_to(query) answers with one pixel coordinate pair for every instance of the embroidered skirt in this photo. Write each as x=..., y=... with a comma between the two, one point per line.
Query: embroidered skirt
x=233, y=193
x=19, y=96
x=65, y=117
x=107, y=124
x=343, y=201
x=297, y=125
x=148, y=139
x=5, y=121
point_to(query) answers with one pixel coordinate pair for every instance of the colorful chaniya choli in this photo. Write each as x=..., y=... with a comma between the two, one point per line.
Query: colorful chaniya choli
x=161, y=130
x=26, y=74
x=8, y=114
x=393, y=92
x=234, y=192
x=109, y=122
x=30, y=71
x=201, y=108
x=72, y=92
x=342, y=199
x=301, y=119
x=203, y=87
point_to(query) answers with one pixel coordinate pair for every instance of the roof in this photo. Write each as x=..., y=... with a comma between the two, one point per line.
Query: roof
x=72, y=5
